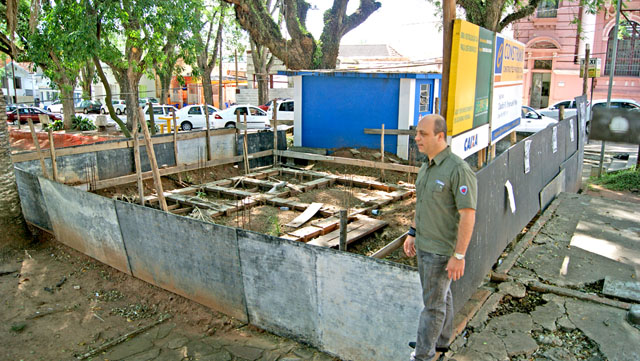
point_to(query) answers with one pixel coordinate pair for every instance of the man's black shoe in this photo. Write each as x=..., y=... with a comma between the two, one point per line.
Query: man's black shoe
x=412, y=344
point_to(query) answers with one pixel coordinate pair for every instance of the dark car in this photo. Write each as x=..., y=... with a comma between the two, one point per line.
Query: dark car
x=30, y=112
x=89, y=106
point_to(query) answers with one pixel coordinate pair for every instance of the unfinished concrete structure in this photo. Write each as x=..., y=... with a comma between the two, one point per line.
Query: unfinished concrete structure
x=351, y=306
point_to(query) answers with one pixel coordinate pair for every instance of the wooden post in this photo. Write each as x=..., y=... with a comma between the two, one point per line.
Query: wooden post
x=175, y=142
x=275, y=133
x=561, y=112
x=343, y=230
x=154, y=167
x=37, y=145
x=587, y=52
x=54, y=162
x=481, y=154
x=152, y=120
x=448, y=16
x=206, y=116
x=245, y=147
x=382, y=151
x=493, y=152
x=220, y=77
x=136, y=159
x=514, y=138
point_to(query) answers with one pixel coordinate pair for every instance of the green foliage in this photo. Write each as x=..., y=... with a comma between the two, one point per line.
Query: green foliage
x=81, y=123
x=274, y=228
x=55, y=125
x=201, y=194
x=624, y=180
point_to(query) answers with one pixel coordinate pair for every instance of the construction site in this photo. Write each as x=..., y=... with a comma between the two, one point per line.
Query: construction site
x=300, y=244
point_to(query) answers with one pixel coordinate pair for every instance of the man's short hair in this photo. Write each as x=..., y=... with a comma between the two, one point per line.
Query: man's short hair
x=439, y=124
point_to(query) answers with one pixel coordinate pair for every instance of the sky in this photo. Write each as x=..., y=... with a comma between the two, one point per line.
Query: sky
x=408, y=26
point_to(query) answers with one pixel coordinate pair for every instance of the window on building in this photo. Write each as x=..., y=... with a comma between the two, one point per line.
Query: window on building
x=18, y=83
x=548, y=9
x=542, y=64
x=425, y=93
x=628, y=54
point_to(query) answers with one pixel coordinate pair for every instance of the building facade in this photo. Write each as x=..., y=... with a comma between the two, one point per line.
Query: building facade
x=555, y=43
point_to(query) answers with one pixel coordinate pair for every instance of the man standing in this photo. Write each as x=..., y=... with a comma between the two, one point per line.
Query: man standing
x=445, y=215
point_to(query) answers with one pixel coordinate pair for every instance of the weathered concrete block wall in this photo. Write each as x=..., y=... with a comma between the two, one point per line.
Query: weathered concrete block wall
x=348, y=305
x=112, y=163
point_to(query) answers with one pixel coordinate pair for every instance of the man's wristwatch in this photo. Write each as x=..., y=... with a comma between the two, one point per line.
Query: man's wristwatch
x=459, y=256
x=412, y=232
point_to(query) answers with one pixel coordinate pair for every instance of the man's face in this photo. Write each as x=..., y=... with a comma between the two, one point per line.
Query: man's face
x=426, y=140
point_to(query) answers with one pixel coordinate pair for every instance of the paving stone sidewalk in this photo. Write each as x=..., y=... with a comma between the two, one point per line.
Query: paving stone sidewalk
x=586, y=243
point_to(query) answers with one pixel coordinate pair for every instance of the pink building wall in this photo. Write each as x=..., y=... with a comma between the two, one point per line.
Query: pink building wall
x=556, y=40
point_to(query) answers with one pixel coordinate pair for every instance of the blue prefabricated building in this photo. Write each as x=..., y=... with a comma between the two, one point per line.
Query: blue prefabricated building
x=333, y=108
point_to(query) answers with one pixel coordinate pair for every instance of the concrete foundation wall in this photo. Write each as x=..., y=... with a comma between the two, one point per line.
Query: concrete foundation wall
x=250, y=96
x=348, y=305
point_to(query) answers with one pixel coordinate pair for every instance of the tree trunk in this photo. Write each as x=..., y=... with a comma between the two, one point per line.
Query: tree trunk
x=131, y=84
x=261, y=68
x=14, y=228
x=88, y=73
x=68, y=108
x=206, y=85
x=109, y=97
x=165, y=84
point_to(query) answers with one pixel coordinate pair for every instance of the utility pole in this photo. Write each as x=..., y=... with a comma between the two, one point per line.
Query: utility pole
x=611, y=73
x=585, y=76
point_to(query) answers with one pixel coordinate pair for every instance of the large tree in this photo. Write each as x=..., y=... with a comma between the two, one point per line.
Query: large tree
x=301, y=50
x=495, y=15
x=131, y=34
x=262, y=58
x=207, y=50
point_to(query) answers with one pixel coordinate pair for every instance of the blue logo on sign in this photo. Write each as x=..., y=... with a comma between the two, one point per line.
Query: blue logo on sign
x=499, y=54
x=464, y=190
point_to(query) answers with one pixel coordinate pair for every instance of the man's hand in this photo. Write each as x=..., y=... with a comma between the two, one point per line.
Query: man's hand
x=410, y=246
x=455, y=267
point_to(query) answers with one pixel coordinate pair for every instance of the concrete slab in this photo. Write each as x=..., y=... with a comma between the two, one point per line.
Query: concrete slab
x=195, y=259
x=86, y=222
x=605, y=325
x=389, y=298
x=280, y=284
x=31, y=200
x=629, y=290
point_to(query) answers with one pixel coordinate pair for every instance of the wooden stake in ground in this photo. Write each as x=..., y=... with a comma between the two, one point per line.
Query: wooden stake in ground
x=154, y=165
x=275, y=133
x=514, y=138
x=206, y=116
x=175, y=141
x=245, y=148
x=37, y=145
x=343, y=230
x=136, y=159
x=382, y=152
x=54, y=162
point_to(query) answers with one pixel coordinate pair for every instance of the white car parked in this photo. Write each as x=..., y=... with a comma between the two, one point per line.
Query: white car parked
x=160, y=111
x=553, y=111
x=532, y=121
x=119, y=106
x=193, y=116
x=56, y=107
x=256, y=117
x=284, y=113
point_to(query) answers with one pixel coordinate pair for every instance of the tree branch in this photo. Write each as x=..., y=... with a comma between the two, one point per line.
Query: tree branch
x=519, y=14
x=366, y=8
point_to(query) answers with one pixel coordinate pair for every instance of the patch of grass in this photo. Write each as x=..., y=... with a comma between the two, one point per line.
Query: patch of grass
x=624, y=180
x=18, y=327
x=274, y=230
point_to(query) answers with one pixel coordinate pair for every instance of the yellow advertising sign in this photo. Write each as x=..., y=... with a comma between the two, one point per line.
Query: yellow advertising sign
x=462, y=81
x=509, y=60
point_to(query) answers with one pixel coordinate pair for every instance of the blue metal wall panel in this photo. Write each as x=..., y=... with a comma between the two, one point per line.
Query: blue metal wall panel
x=335, y=111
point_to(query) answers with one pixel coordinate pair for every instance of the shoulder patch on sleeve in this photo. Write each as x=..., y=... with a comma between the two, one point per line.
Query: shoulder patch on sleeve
x=464, y=190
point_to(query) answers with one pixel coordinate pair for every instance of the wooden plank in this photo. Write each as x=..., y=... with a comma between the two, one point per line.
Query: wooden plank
x=101, y=184
x=306, y=233
x=390, y=131
x=305, y=216
x=37, y=145
x=389, y=248
x=363, y=226
x=229, y=191
x=181, y=210
x=118, y=144
x=349, y=161
x=327, y=224
x=197, y=202
x=317, y=183
x=290, y=237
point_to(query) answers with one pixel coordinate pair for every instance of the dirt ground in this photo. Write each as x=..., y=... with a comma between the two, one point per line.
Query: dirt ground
x=59, y=303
